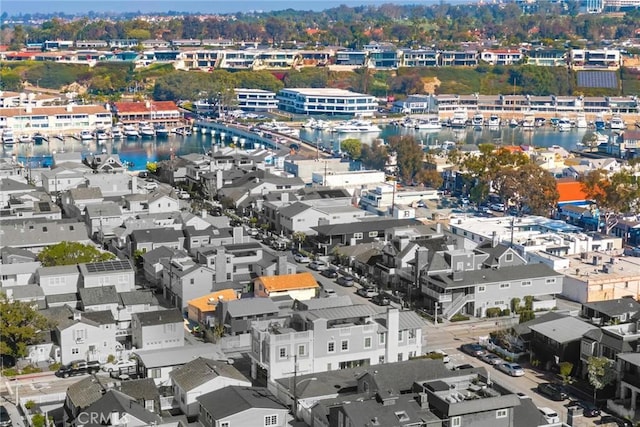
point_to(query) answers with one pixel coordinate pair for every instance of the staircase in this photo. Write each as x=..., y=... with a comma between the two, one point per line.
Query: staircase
x=456, y=305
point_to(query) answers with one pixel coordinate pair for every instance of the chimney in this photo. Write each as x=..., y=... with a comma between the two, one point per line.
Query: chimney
x=114, y=418
x=28, y=109
x=219, y=181
x=423, y=400
x=147, y=104
x=420, y=260
x=69, y=108
x=403, y=241
x=438, y=228
x=221, y=266
x=458, y=276
x=282, y=265
x=494, y=239
x=393, y=326
x=237, y=235
x=134, y=184
x=284, y=197
x=203, y=213
x=77, y=315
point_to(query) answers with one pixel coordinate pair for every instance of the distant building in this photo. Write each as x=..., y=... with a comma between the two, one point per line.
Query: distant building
x=326, y=101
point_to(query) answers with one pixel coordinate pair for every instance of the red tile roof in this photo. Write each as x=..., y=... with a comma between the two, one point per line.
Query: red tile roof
x=141, y=107
x=288, y=282
x=570, y=191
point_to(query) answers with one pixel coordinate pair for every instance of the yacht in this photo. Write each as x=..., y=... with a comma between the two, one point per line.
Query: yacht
x=599, y=122
x=494, y=120
x=477, y=120
x=24, y=139
x=433, y=123
x=459, y=119
x=101, y=134
x=38, y=138
x=161, y=131
x=356, y=126
x=86, y=135
x=564, y=124
x=616, y=123
x=7, y=137
x=130, y=131
x=146, y=130
x=528, y=122
x=513, y=123
x=183, y=131
x=116, y=132
x=601, y=138
x=581, y=121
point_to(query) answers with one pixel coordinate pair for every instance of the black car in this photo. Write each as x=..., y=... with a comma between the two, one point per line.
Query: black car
x=552, y=391
x=381, y=300
x=5, y=420
x=331, y=273
x=78, y=367
x=345, y=281
x=463, y=366
x=588, y=409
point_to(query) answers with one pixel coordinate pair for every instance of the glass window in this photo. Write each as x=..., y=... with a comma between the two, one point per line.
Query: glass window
x=331, y=346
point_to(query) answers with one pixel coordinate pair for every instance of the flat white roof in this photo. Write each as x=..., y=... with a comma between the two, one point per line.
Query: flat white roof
x=325, y=92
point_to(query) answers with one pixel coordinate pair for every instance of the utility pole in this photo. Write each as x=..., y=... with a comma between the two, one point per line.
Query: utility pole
x=295, y=384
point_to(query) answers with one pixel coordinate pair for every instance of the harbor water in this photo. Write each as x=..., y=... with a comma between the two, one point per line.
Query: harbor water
x=137, y=153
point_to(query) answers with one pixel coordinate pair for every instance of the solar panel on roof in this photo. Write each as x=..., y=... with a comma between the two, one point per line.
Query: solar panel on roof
x=107, y=266
x=601, y=79
x=44, y=207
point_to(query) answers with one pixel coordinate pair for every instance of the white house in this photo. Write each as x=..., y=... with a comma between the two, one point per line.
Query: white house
x=90, y=336
x=157, y=329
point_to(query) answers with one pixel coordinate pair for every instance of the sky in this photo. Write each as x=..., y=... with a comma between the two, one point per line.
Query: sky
x=15, y=7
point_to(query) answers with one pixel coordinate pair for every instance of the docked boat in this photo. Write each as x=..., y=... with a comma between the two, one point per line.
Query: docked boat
x=494, y=121
x=477, y=120
x=146, y=130
x=540, y=121
x=581, y=121
x=432, y=123
x=7, y=137
x=616, y=123
x=116, y=132
x=459, y=119
x=130, y=131
x=528, y=122
x=85, y=135
x=38, y=138
x=599, y=123
x=101, y=134
x=601, y=138
x=356, y=126
x=24, y=139
x=513, y=123
x=564, y=124
x=183, y=131
x=161, y=131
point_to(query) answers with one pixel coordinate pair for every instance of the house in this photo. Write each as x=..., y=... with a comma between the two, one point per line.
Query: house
x=100, y=299
x=90, y=336
x=105, y=163
x=238, y=315
x=149, y=239
x=75, y=200
x=609, y=341
x=298, y=286
x=11, y=255
x=160, y=203
x=151, y=263
x=320, y=340
x=35, y=236
x=610, y=312
x=31, y=294
x=626, y=402
x=157, y=364
x=59, y=280
x=300, y=217
x=558, y=340
x=103, y=218
x=18, y=273
x=115, y=408
x=10, y=187
x=157, y=329
x=119, y=273
x=244, y=406
x=202, y=309
x=201, y=376
x=31, y=205
x=63, y=178
x=137, y=301
x=184, y=280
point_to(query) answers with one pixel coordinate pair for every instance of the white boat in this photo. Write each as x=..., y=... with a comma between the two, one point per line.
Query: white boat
x=130, y=131
x=86, y=135
x=356, y=126
x=528, y=122
x=101, y=134
x=616, y=123
x=513, y=123
x=7, y=137
x=459, y=119
x=430, y=124
x=321, y=125
x=581, y=121
x=477, y=120
x=183, y=131
x=146, y=130
x=494, y=120
x=599, y=122
x=564, y=124
x=601, y=138
x=116, y=132
x=24, y=139
x=162, y=131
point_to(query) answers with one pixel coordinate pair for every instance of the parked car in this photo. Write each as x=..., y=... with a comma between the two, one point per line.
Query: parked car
x=367, y=292
x=611, y=419
x=78, y=367
x=552, y=391
x=381, y=300
x=588, y=409
x=346, y=281
x=550, y=416
x=474, y=350
x=184, y=194
x=491, y=359
x=318, y=265
x=152, y=185
x=512, y=369
x=302, y=259
x=327, y=293
x=119, y=365
x=5, y=419
x=463, y=366
x=331, y=273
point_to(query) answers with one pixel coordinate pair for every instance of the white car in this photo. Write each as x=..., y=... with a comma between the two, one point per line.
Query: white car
x=119, y=365
x=328, y=293
x=550, y=416
x=512, y=369
x=318, y=265
x=184, y=195
x=301, y=258
x=150, y=185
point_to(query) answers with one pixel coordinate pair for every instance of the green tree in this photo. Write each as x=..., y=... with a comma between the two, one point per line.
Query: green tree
x=374, y=156
x=299, y=237
x=409, y=155
x=429, y=178
x=352, y=146
x=69, y=253
x=566, y=368
x=526, y=315
x=21, y=326
x=602, y=372
x=515, y=305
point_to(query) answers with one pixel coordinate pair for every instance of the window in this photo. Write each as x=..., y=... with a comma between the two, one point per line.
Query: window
x=373, y=234
x=75, y=350
x=482, y=288
x=271, y=420
x=551, y=281
x=344, y=345
x=367, y=342
x=302, y=350
x=505, y=285
x=381, y=338
x=500, y=302
x=508, y=257
x=502, y=413
x=331, y=346
x=412, y=334
x=526, y=283
x=225, y=424
x=357, y=236
x=282, y=352
x=455, y=422
x=192, y=281
x=400, y=336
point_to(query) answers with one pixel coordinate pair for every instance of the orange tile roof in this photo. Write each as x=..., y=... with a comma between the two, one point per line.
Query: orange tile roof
x=202, y=303
x=141, y=107
x=570, y=191
x=511, y=148
x=289, y=282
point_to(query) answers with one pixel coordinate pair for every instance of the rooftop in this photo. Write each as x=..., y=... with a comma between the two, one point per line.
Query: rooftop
x=564, y=329
x=621, y=267
x=288, y=282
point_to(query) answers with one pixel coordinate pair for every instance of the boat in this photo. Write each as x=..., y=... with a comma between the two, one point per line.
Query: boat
x=356, y=126
x=494, y=120
x=529, y=121
x=601, y=138
x=539, y=122
x=101, y=134
x=38, y=138
x=183, y=131
x=146, y=130
x=581, y=121
x=130, y=131
x=599, y=123
x=24, y=139
x=85, y=135
x=459, y=118
x=7, y=138
x=564, y=124
x=432, y=123
x=513, y=123
x=616, y=123
x=116, y=132
x=162, y=131
x=477, y=120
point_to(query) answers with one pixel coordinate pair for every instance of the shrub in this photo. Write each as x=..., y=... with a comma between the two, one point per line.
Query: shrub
x=493, y=312
x=55, y=366
x=10, y=372
x=459, y=318
x=111, y=358
x=30, y=405
x=29, y=369
x=38, y=420
x=506, y=312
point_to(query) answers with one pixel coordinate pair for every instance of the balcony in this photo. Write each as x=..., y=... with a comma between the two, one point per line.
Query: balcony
x=437, y=295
